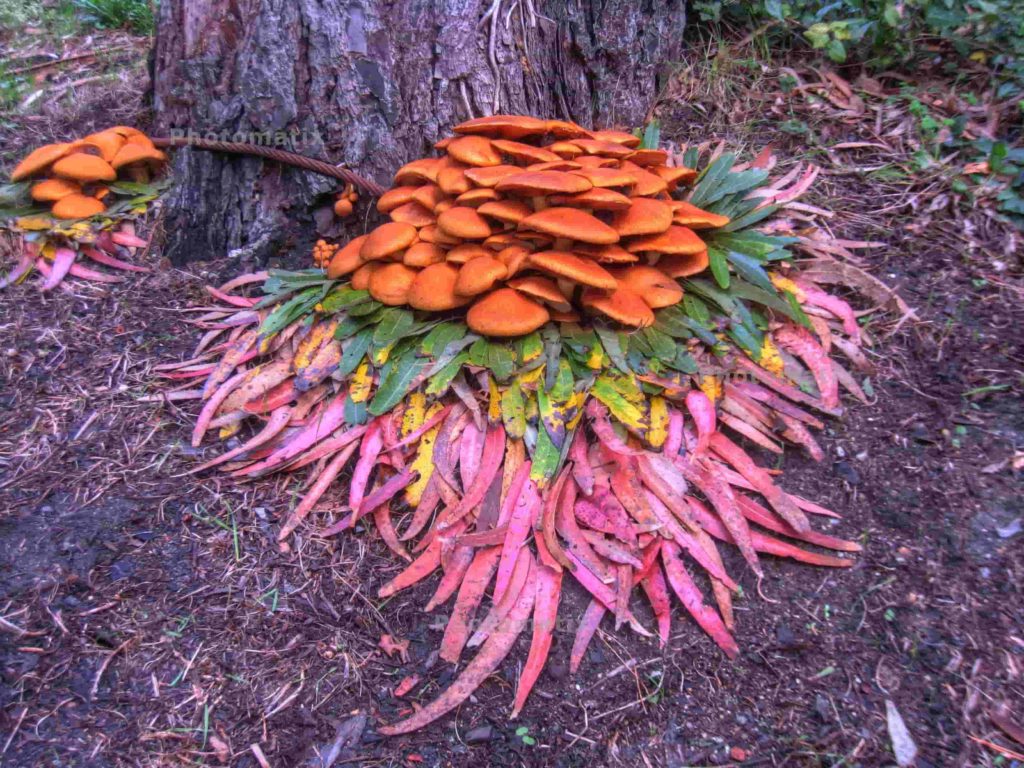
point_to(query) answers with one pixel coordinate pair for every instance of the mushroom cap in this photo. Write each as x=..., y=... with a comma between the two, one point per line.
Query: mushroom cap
x=607, y=177
x=675, y=239
x=598, y=198
x=387, y=239
x=390, y=284
x=429, y=195
x=647, y=183
x=506, y=312
x=565, y=149
x=564, y=317
x=695, y=218
x=413, y=213
x=462, y=221
x=514, y=257
x=477, y=197
x=595, y=161
x=655, y=287
x=566, y=129
x=524, y=153
x=490, y=176
x=460, y=254
x=39, y=160
x=506, y=210
x=342, y=207
x=683, y=265
x=542, y=288
x=621, y=305
x=503, y=126
x=77, y=206
x=572, y=223
x=453, y=181
x=618, y=137
x=133, y=152
x=648, y=157
x=646, y=216
x=579, y=268
x=52, y=190
x=554, y=165
x=479, y=275
x=433, y=290
x=82, y=167
x=474, y=150
x=433, y=234
x=674, y=176
x=346, y=259
x=607, y=254
x=423, y=170
x=599, y=147
x=108, y=142
x=361, y=277
x=536, y=183
x=395, y=197
x=422, y=255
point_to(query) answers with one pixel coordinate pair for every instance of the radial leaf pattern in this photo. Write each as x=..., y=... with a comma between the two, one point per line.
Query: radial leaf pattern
x=555, y=378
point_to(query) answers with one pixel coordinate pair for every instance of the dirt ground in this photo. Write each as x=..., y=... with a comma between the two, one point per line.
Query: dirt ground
x=148, y=618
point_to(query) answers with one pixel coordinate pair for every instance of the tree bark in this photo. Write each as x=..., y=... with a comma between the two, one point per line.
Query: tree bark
x=373, y=84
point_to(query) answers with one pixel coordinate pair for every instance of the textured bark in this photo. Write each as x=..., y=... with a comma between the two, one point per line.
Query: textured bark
x=373, y=84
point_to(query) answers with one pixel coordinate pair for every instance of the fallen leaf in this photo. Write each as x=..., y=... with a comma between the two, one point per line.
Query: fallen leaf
x=903, y=746
x=391, y=646
x=407, y=684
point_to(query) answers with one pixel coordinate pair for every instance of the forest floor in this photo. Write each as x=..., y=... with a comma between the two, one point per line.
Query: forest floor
x=149, y=619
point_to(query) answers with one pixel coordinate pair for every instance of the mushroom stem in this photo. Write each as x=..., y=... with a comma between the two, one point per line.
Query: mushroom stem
x=539, y=203
x=562, y=244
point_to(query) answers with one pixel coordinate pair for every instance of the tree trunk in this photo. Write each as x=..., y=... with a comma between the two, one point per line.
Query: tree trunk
x=373, y=84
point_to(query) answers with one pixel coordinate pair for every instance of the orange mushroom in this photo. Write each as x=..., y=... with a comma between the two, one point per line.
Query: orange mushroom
x=387, y=239
x=39, y=160
x=79, y=166
x=422, y=255
x=479, y=275
x=577, y=268
x=433, y=289
x=646, y=216
x=621, y=305
x=570, y=223
x=346, y=259
x=506, y=312
x=675, y=239
x=655, y=287
x=77, y=206
x=52, y=190
x=462, y=221
x=390, y=284
x=474, y=150
x=541, y=288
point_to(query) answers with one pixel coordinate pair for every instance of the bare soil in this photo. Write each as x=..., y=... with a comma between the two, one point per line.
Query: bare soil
x=149, y=619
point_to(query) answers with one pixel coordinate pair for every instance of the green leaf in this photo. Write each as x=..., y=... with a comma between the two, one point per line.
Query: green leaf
x=355, y=413
x=615, y=346
x=513, y=410
x=546, y=458
x=661, y=344
x=354, y=352
x=553, y=404
x=652, y=135
x=442, y=378
x=440, y=336
x=719, y=266
x=396, y=382
x=290, y=311
x=751, y=270
x=671, y=320
x=750, y=219
x=343, y=298
x=696, y=309
x=395, y=323
x=683, y=361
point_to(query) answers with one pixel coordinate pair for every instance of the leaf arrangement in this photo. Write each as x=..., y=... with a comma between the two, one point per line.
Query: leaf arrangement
x=585, y=446
x=76, y=201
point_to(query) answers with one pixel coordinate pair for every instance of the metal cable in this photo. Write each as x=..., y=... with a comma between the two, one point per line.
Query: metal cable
x=279, y=155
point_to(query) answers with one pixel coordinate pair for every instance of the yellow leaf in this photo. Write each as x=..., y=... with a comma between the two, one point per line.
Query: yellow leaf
x=771, y=360
x=529, y=379
x=424, y=461
x=979, y=56
x=785, y=284
x=658, y=432
x=362, y=381
x=381, y=355
x=34, y=223
x=229, y=430
x=596, y=360
x=712, y=387
x=494, y=406
x=630, y=414
x=415, y=413
x=575, y=406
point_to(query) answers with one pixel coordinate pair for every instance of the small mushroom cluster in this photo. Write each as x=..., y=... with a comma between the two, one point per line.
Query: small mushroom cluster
x=73, y=176
x=531, y=220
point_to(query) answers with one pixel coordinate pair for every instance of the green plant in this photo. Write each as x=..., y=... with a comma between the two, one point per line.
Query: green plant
x=133, y=15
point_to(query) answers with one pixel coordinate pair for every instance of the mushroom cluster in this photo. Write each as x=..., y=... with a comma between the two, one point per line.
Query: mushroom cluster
x=524, y=221
x=73, y=177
